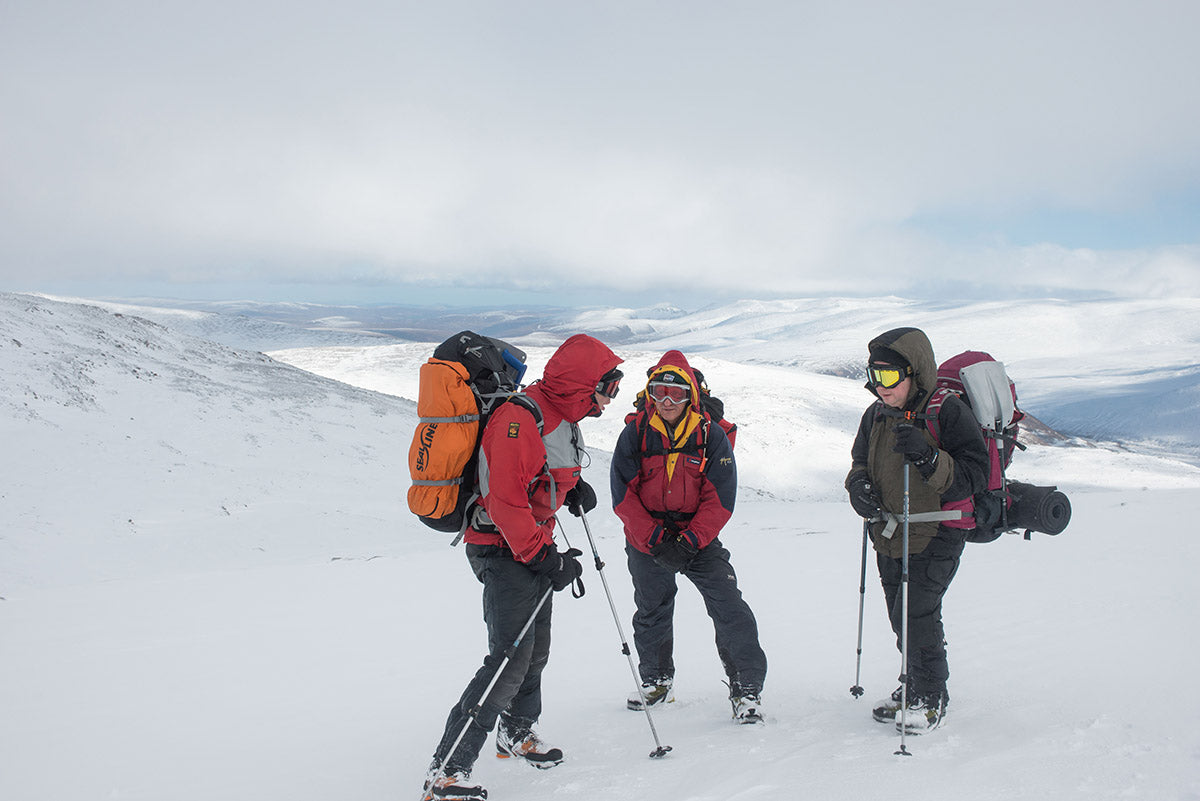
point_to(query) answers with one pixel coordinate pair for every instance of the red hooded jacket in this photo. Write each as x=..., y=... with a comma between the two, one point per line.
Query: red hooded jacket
x=683, y=479
x=524, y=476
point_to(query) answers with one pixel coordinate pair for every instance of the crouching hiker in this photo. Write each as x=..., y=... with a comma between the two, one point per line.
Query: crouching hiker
x=529, y=467
x=894, y=437
x=674, y=482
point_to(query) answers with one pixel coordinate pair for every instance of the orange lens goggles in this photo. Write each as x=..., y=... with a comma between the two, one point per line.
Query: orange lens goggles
x=670, y=393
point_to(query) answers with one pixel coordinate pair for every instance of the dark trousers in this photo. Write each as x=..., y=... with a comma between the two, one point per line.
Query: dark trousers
x=511, y=592
x=654, y=590
x=929, y=575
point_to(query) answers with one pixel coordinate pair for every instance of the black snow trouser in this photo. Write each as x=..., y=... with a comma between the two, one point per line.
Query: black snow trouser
x=654, y=590
x=511, y=591
x=929, y=575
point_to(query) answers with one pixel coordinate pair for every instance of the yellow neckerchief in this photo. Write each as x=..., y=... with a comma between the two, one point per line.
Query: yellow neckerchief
x=683, y=430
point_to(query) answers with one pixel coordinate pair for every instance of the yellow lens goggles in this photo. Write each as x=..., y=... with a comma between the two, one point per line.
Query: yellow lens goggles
x=887, y=375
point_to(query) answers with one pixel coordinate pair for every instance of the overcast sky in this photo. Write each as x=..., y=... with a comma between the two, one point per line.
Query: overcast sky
x=395, y=150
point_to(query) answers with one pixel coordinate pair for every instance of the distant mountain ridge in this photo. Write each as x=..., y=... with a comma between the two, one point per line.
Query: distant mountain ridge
x=1122, y=370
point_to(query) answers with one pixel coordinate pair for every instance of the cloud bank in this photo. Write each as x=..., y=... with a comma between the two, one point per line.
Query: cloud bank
x=865, y=148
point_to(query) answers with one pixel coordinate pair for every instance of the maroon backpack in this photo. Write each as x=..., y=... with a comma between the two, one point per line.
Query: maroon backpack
x=981, y=382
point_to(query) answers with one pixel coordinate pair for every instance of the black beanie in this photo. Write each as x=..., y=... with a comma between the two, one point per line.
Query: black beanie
x=888, y=356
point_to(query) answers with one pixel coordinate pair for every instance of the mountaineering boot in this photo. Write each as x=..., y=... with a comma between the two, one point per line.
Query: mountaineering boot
x=455, y=785
x=747, y=705
x=526, y=745
x=924, y=713
x=657, y=693
x=886, y=710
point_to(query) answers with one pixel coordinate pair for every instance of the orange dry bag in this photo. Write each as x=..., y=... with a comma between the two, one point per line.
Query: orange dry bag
x=444, y=441
x=468, y=376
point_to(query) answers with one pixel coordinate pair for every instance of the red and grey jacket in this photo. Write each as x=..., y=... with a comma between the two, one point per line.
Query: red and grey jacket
x=524, y=474
x=666, y=479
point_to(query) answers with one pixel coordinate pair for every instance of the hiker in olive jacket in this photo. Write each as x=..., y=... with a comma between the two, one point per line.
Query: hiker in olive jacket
x=948, y=467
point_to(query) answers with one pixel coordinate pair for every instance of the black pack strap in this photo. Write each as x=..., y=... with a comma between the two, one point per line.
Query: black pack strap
x=695, y=446
x=530, y=405
x=674, y=517
x=1004, y=436
x=468, y=513
x=474, y=508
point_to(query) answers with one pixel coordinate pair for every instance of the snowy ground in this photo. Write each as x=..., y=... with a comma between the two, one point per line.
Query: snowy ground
x=212, y=589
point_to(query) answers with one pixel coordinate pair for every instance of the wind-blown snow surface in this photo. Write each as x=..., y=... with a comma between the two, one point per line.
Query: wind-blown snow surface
x=212, y=589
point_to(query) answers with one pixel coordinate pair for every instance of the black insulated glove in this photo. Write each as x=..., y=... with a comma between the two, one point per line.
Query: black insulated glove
x=863, y=497
x=911, y=442
x=561, y=568
x=580, y=498
x=674, y=554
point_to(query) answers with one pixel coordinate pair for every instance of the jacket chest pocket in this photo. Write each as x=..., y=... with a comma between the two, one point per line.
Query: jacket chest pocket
x=682, y=492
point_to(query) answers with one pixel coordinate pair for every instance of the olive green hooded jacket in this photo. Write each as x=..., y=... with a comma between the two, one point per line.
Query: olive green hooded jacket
x=962, y=464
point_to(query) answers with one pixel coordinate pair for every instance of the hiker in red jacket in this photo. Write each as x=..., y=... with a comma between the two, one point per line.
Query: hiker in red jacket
x=525, y=476
x=674, y=483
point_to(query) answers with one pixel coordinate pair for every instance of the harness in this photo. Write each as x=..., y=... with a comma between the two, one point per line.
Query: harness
x=695, y=445
x=1004, y=441
x=956, y=514
x=475, y=516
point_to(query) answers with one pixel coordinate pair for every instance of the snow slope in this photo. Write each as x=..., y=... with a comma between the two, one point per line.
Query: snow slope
x=171, y=449
x=212, y=589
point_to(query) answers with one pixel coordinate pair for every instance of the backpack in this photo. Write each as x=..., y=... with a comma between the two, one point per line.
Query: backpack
x=467, y=379
x=714, y=407
x=982, y=383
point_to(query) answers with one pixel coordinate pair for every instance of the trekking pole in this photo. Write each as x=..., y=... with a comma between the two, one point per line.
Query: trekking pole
x=857, y=689
x=660, y=749
x=904, y=627
x=474, y=712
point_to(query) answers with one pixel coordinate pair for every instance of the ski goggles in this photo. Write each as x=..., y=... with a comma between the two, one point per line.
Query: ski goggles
x=609, y=383
x=887, y=375
x=668, y=393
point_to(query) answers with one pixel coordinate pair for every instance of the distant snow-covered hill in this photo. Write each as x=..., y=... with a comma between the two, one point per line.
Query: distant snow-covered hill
x=240, y=325
x=1126, y=371
x=1104, y=369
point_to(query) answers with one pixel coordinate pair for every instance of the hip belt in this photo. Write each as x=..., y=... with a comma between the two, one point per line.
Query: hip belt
x=892, y=521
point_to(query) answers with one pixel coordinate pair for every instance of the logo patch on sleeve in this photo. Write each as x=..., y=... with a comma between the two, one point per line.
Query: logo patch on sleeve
x=514, y=429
